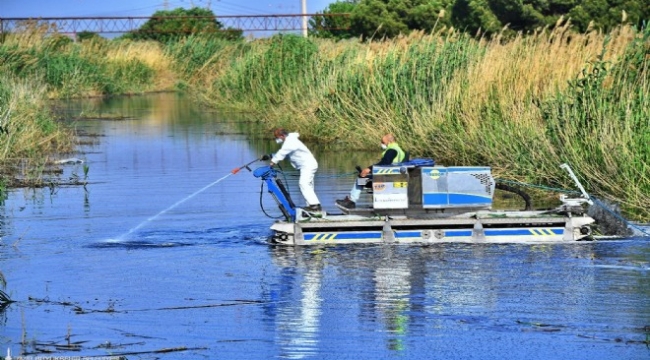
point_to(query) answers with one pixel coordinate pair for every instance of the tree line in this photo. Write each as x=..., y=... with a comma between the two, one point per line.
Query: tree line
x=372, y=19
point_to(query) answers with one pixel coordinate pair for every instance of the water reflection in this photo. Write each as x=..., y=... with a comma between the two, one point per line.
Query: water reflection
x=171, y=114
x=165, y=133
x=414, y=292
x=390, y=290
x=391, y=301
x=295, y=304
x=3, y=315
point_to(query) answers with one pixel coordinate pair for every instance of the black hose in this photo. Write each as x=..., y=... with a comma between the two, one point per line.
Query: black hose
x=517, y=191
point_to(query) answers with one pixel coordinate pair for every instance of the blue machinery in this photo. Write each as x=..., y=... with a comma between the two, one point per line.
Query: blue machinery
x=277, y=189
x=421, y=203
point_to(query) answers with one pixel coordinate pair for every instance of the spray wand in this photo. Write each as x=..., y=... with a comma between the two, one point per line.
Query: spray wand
x=263, y=158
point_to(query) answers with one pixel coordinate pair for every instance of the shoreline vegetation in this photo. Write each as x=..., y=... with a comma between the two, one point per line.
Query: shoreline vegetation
x=522, y=105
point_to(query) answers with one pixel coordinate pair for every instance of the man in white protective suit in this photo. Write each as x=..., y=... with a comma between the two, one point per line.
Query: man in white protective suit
x=301, y=159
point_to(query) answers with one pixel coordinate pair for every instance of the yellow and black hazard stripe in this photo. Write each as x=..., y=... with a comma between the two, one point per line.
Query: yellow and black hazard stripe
x=385, y=171
x=324, y=236
x=542, y=232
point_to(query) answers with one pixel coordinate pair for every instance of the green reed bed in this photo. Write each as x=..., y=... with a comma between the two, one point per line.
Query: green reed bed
x=269, y=72
x=522, y=106
x=252, y=76
x=194, y=54
x=76, y=69
x=605, y=114
x=28, y=134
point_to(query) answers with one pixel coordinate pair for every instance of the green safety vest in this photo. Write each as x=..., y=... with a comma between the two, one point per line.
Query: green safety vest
x=400, y=153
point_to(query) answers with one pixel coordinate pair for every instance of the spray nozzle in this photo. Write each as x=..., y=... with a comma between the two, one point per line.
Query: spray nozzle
x=236, y=170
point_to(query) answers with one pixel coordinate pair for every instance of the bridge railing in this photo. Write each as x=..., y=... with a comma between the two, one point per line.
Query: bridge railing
x=122, y=25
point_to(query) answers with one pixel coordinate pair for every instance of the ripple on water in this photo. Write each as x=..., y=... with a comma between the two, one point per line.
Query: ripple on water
x=221, y=236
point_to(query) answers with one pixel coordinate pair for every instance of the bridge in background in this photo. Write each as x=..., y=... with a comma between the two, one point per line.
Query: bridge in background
x=121, y=25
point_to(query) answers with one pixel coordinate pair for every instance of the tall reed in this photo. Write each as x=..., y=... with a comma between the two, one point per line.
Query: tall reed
x=87, y=68
x=28, y=133
x=522, y=106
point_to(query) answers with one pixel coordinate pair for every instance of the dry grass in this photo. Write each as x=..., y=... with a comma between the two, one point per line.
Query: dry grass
x=151, y=54
x=29, y=34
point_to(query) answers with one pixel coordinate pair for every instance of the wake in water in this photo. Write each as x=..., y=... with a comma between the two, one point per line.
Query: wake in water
x=250, y=234
x=121, y=237
x=135, y=244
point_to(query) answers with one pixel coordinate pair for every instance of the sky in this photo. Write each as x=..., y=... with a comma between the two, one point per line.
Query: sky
x=123, y=8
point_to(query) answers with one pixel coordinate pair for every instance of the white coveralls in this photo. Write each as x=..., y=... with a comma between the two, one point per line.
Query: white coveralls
x=301, y=159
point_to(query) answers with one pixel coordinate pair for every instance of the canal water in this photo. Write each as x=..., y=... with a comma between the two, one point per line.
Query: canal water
x=164, y=255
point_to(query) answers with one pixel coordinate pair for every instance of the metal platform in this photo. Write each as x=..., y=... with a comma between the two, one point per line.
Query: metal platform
x=477, y=227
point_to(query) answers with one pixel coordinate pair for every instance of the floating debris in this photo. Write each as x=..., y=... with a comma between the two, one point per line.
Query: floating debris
x=69, y=161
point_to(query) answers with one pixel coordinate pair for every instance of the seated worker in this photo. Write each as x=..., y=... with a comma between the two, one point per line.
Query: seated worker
x=392, y=154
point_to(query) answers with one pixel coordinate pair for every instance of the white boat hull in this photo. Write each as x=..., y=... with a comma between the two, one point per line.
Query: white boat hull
x=487, y=227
